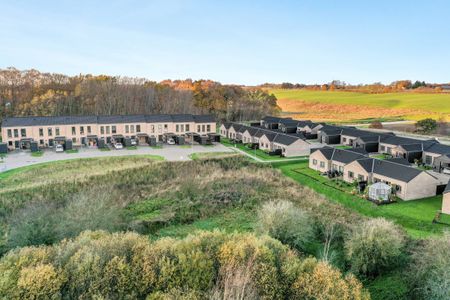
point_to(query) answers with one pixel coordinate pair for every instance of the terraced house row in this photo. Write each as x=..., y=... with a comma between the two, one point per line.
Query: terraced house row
x=282, y=136
x=18, y=132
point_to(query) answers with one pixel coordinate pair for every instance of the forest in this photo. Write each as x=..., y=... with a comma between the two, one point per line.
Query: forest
x=30, y=92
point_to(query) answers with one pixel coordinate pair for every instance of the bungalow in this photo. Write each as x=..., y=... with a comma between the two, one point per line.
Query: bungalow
x=233, y=131
x=434, y=151
x=408, y=148
x=408, y=183
x=288, y=126
x=331, y=159
x=441, y=164
x=248, y=135
x=309, y=127
x=368, y=143
x=330, y=135
x=266, y=141
x=291, y=145
x=270, y=122
x=446, y=200
x=224, y=129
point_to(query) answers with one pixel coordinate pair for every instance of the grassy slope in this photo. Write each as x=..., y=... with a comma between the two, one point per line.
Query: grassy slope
x=436, y=103
x=415, y=216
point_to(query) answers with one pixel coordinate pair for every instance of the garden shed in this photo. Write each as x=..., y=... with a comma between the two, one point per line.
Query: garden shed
x=379, y=191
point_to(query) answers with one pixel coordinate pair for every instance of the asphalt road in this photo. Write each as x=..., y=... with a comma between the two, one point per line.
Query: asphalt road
x=169, y=152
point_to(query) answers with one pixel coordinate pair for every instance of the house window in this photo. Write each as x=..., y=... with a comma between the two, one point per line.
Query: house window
x=428, y=159
x=107, y=130
x=187, y=127
x=322, y=164
x=350, y=174
x=41, y=131
x=74, y=140
x=23, y=132
x=138, y=128
x=203, y=128
x=16, y=132
x=89, y=130
x=182, y=127
x=10, y=143
x=132, y=128
x=74, y=130
x=152, y=128
x=102, y=129
x=334, y=167
x=360, y=177
x=341, y=169
x=127, y=129
x=177, y=128
x=9, y=133
x=113, y=129
x=41, y=142
x=208, y=128
x=49, y=131
x=382, y=148
x=81, y=129
x=344, y=139
x=57, y=130
x=198, y=128
x=314, y=162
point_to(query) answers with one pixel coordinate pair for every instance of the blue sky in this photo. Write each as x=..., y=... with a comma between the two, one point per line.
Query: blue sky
x=243, y=42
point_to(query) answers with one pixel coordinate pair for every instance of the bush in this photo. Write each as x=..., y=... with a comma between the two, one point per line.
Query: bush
x=374, y=246
x=98, y=265
x=285, y=222
x=430, y=267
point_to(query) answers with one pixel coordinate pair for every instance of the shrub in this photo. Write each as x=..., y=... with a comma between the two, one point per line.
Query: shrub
x=285, y=222
x=430, y=267
x=374, y=246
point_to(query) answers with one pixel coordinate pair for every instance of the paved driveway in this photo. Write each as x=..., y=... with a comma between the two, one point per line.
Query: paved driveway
x=169, y=152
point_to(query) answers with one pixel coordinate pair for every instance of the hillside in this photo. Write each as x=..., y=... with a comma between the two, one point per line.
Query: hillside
x=351, y=106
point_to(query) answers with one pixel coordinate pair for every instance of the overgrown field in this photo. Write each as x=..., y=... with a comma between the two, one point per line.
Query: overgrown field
x=352, y=106
x=276, y=240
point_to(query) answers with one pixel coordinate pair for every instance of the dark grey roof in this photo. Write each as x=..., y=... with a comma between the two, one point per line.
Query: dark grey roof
x=438, y=149
x=390, y=169
x=121, y=119
x=272, y=119
x=204, y=119
x=67, y=120
x=158, y=118
x=284, y=139
x=182, y=118
x=357, y=132
x=243, y=128
x=398, y=140
x=252, y=130
x=412, y=147
x=345, y=156
x=236, y=126
x=270, y=136
x=369, y=139
x=227, y=125
x=331, y=131
x=46, y=121
x=326, y=151
x=394, y=170
x=399, y=160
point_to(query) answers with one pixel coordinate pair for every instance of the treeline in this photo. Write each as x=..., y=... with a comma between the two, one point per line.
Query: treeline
x=24, y=93
x=377, y=87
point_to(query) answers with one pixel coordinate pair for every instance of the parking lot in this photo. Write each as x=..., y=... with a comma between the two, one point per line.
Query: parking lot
x=169, y=152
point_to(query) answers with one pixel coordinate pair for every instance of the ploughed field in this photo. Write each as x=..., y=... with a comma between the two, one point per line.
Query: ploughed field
x=354, y=106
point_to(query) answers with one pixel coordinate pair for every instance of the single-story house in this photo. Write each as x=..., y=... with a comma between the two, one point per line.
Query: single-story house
x=433, y=151
x=248, y=135
x=408, y=183
x=288, y=126
x=446, y=200
x=270, y=122
x=266, y=141
x=329, y=135
x=224, y=129
x=291, y=145
x=441, y=164
x=368, y=143
x=233, y=131
x=331, y=159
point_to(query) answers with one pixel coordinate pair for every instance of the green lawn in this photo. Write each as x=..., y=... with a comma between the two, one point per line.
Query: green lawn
x=71, y=151
x=105, y=149
x=131, y=148
x=156, y=147
x=381, y=156
x=415, y=216
x=37, y=153
x=343, y=147
x=254, y=152
x=436, y=103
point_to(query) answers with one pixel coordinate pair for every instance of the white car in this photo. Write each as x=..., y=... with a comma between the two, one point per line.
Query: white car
x=171, y=141
x=59, y=148
x=118, y=146
x=133, y=142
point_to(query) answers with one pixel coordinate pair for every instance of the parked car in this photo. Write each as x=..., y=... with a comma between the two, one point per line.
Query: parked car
x=118, y=146
x=171, y=141
x=133, y=142
x=59, y=148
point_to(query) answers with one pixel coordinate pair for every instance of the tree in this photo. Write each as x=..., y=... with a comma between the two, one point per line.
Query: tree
x=374, y=246
x=376, y=125
x=426, y=126
x=285, y=222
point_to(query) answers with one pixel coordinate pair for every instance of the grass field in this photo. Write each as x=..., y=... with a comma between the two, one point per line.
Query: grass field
x=352, y=106
x=414, y=216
